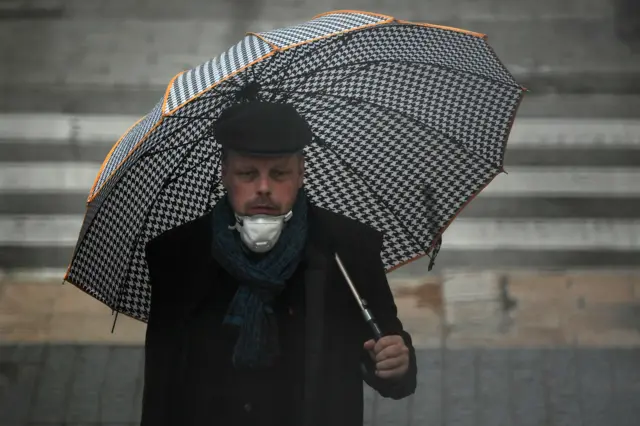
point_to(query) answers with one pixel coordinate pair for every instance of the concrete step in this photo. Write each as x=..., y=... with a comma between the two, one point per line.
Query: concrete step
x=570, y=199
x=566, y=350
x=488, y=386
x=410, y=9
x=563, y=55
x=139, y=100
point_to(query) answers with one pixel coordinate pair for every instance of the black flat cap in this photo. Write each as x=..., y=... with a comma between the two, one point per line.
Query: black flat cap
x=262, y=128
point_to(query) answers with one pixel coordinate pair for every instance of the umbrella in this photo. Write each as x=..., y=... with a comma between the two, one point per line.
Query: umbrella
x=410, y=122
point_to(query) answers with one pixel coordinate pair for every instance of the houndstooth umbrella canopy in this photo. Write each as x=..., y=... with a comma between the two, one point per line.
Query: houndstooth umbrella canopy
x=410, y=122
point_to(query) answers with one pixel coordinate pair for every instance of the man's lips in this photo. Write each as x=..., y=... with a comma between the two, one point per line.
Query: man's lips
x=262, y=210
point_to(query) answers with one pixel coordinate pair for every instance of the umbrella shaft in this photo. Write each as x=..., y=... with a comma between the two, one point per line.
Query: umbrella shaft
x=368, y=316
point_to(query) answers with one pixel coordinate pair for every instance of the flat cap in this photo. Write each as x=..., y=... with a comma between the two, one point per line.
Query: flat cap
x=262, y=128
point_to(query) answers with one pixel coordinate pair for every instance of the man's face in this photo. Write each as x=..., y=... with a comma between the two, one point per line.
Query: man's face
x=262, y=185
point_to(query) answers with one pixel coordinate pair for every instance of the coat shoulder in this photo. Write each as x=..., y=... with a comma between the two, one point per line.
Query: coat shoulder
x=174, y=241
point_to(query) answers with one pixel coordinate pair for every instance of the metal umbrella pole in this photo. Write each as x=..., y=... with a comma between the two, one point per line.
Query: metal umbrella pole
x=366, y=313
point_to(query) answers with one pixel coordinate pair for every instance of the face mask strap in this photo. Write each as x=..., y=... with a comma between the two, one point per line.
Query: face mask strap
x=240, y=219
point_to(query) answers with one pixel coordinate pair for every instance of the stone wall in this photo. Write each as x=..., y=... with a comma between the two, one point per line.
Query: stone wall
x=520, y=349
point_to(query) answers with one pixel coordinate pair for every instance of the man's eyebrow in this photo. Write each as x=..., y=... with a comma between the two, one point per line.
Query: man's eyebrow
x=282, y=164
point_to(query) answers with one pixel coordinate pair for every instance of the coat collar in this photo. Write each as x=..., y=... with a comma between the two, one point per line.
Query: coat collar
x=197, y=238
x=191, y=246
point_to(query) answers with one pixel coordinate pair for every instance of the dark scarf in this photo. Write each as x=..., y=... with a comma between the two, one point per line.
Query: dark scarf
x=260, y=280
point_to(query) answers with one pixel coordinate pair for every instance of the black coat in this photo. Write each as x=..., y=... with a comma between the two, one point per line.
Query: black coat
x=189, y=379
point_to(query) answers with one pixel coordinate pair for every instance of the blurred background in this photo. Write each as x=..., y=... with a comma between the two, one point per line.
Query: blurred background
x=531, y=315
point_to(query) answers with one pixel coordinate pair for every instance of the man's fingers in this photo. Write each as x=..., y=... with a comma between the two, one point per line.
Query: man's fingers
x=391, y=356
x=391, y=352
x=390, y=364
x=388, y=374
x=370, y=345
x=387, y=341
x=388, y=353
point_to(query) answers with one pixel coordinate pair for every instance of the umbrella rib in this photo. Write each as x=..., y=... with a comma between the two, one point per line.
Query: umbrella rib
x=206, y=97
x=207, y=134
x=171, y=148
x=116, y=306
x=394, y=111
x=216, y=88
x=343, y=38
x=375, y=195
x=275, y=92
x=215, y=182
x=400, y=62
x=118, y=174
x=229, y=79
x=318, y=110
x=333, y=84
x=250, y=76
x=204, y=160
x=190, y=117
x=287, y=68
x=136, y=240
x=147, y=152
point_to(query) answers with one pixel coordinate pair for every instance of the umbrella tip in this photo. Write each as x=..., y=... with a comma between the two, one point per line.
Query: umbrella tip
x=113, y=327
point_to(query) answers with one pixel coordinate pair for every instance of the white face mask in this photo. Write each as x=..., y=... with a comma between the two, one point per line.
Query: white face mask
x=260, y=232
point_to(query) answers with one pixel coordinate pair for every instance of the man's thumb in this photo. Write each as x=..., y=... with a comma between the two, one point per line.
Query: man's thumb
x=369, y=344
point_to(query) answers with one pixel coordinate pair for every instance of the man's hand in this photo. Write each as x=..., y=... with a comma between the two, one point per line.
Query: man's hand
x=391, y=356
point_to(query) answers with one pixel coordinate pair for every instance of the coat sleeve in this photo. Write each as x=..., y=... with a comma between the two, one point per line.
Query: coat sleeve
x=381, y=302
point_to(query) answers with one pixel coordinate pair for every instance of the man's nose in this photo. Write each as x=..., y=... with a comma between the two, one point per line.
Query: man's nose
x=264, y=185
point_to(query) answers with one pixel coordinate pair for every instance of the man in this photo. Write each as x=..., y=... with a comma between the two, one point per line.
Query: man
x=251, y=321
